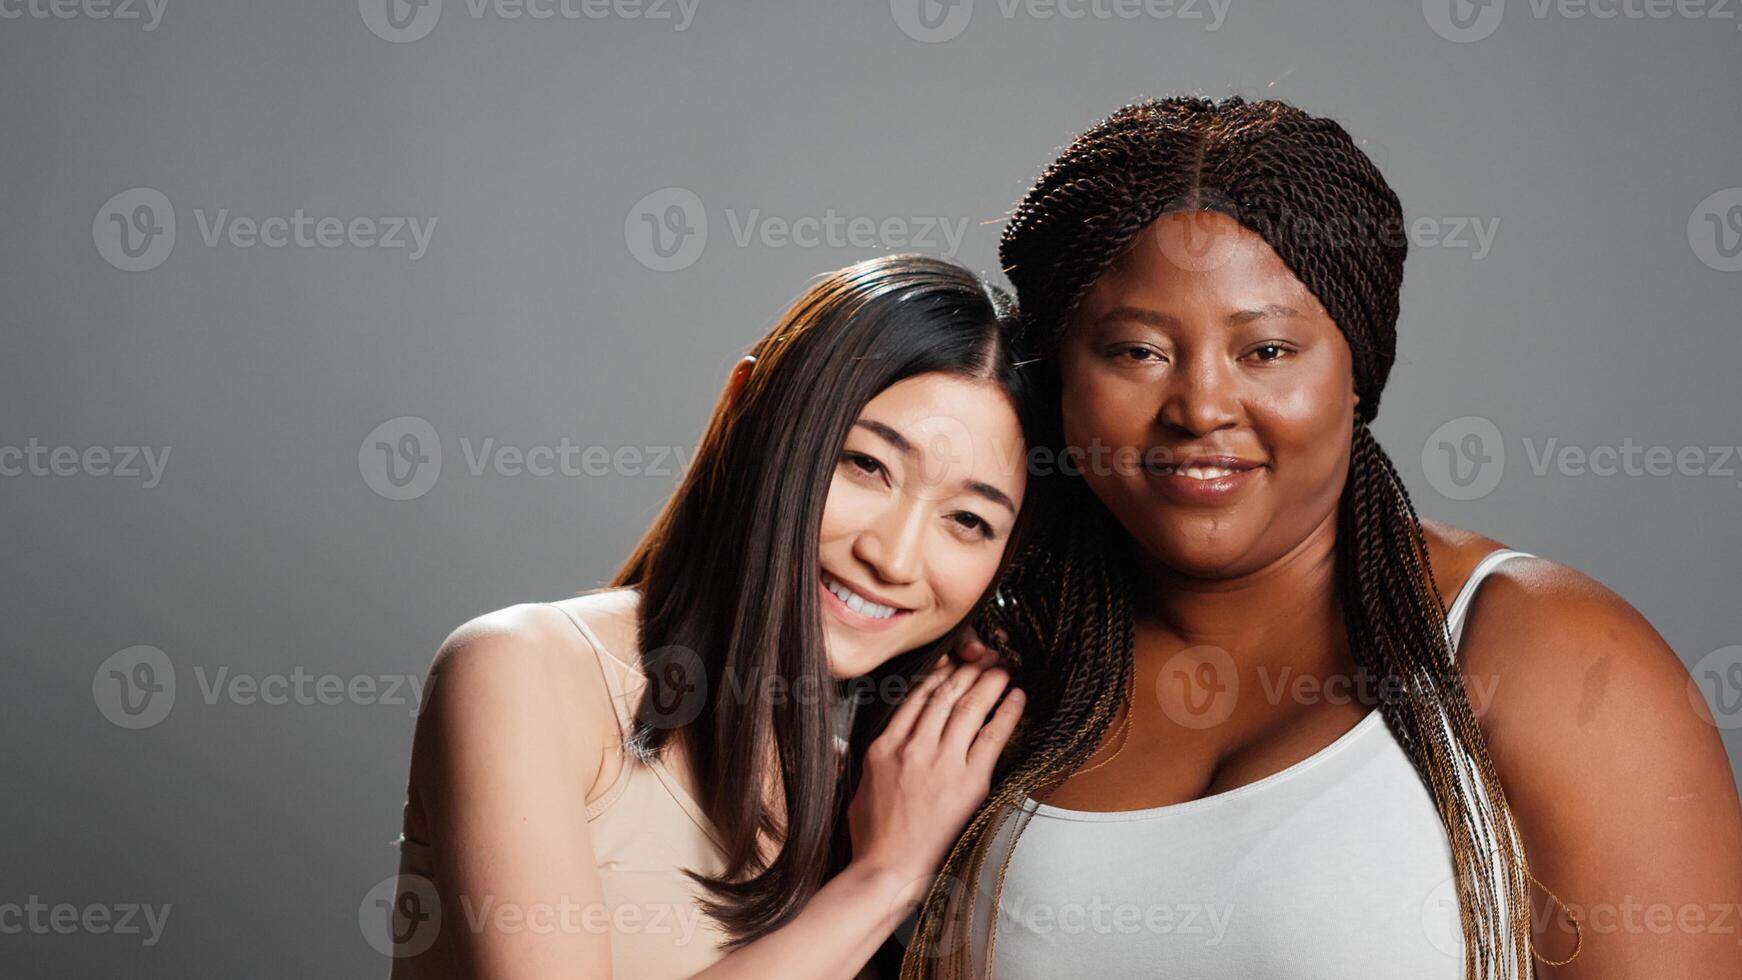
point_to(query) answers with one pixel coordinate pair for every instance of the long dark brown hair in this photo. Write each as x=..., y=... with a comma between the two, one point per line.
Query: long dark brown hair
x=1301, y=183
x=730, y=620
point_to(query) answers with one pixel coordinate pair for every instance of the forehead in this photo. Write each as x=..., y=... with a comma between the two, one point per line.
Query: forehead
x=967, y=425
x=1199, y=256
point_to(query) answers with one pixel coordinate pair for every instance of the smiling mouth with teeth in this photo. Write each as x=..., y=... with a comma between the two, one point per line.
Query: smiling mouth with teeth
x=1200, y=472
x=856, y=602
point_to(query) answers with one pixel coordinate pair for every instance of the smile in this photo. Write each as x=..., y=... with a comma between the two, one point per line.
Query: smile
x=855, y=607
x=1197, y=472
x=1204, y=482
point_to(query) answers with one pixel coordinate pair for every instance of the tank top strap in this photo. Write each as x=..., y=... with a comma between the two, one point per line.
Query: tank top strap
x=610, y=666
x=1461, y=602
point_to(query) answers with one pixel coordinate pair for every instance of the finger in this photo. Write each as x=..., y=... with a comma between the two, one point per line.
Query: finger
x=973, y=652
x=983, y=754
x=969, y=647
x=970, y=712
x=930, y=726
x=902, y=719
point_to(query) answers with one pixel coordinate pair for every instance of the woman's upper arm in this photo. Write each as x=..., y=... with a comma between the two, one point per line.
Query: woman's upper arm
x=505, y=756
x=1620, y=784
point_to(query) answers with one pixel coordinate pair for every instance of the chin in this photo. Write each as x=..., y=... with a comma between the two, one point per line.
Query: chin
x=853, y=659
x=1201, y=551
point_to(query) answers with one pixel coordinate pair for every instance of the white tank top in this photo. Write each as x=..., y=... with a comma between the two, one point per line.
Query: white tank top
x=1336, y=867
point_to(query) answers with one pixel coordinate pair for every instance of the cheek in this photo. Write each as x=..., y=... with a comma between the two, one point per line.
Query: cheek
x=1101, y=409
x=1315, y=419
x=961, y=575
x=846, y=509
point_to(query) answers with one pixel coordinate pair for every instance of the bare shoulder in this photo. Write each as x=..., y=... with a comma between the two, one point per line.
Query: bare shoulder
x=515, y=685
x=1571, y=682
x=1454, y=553
x=614, y=616
x=539, y=640
x=1544, y=628
x=1609, y=757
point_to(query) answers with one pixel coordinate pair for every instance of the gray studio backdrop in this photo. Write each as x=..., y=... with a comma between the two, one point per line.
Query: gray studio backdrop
x=327, y=326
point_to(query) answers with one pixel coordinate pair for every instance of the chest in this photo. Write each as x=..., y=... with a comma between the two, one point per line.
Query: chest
x=1195, y=727
x=1341, y=868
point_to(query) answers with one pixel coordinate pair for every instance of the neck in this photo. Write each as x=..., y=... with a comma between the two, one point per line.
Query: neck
x=1287, y=609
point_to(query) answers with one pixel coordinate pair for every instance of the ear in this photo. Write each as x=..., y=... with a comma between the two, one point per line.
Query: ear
x=740, y=374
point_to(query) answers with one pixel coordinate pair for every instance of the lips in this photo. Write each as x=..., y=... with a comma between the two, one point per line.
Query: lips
x=855, y=607
x=1203, y=467
x=1203, y=480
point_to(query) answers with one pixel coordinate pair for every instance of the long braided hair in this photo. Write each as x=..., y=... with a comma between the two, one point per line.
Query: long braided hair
x=1066, y=608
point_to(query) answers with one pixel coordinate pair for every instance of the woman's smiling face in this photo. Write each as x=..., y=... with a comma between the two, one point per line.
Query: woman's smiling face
x=1199, y=344
x=919, y=513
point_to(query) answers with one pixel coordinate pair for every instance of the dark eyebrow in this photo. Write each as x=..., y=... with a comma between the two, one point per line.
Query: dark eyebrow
x=1154, y=318
x=889, y=435
x=1141, y=315
x=993, y=494
x=904, y=447
x=1271, y=311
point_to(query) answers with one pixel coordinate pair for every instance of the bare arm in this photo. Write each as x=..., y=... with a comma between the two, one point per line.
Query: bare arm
x=508, y=748
x=1617, y=778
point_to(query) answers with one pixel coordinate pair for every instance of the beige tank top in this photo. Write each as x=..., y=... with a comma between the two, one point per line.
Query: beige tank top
x=646, y=831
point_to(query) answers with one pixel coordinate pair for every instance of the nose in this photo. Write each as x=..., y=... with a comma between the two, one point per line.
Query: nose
x=1200, y=397
x=892, y=542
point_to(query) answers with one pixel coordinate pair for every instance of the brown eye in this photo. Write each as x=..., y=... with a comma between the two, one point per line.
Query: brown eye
x=973, y=522
x=1278, y=351
x=862, y=463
